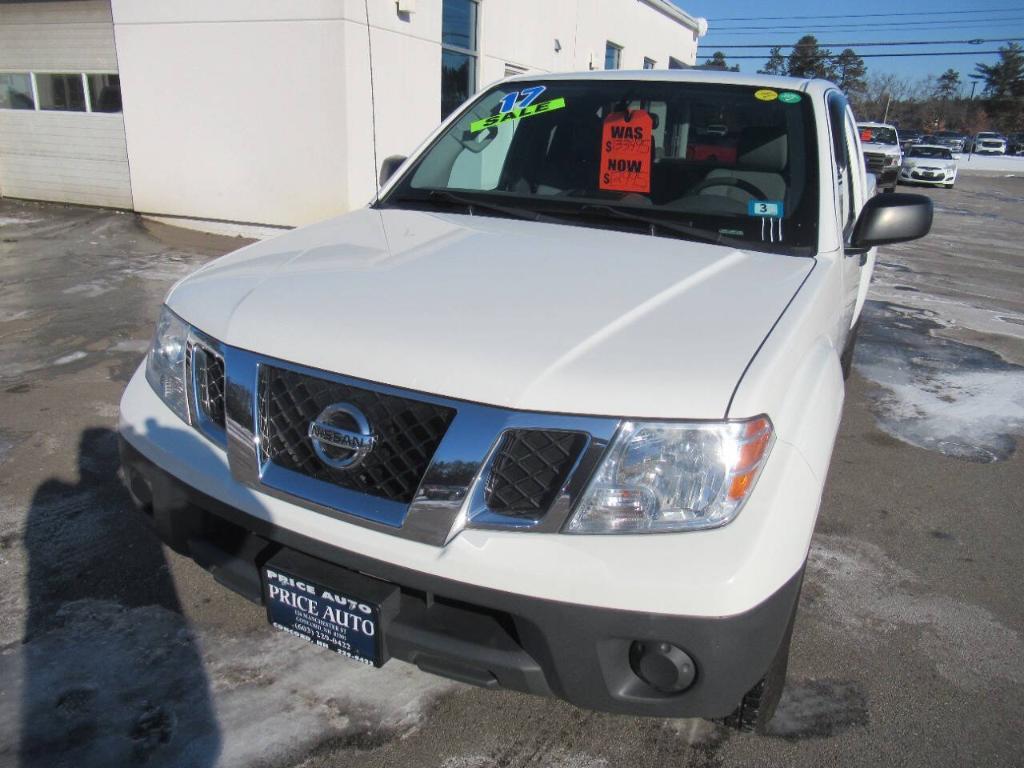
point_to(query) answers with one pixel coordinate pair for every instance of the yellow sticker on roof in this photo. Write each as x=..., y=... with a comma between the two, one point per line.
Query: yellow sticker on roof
x=766, y=94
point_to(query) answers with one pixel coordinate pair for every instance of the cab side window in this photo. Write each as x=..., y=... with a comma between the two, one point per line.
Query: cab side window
x=856, y=182
x=841, y=153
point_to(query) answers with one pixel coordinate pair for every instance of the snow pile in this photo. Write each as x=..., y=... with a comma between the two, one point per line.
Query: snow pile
x=939, y=394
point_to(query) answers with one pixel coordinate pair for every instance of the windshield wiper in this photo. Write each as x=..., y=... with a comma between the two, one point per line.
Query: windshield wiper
x=690, y=233
x=472, y=204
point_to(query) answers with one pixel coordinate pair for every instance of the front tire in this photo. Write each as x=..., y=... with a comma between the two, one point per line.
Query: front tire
x=948, y=186
x=756, y=708
x=846, y=359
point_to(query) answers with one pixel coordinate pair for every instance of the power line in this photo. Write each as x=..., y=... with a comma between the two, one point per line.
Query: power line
x=815, y=30
x=895, y=55
x=874, y=24
x=868, y=15
x=975, y=41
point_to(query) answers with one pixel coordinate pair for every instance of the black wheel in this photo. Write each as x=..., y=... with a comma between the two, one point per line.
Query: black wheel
x=757, y=706
x=890, y=189
x=948, y=186
x=846, y=359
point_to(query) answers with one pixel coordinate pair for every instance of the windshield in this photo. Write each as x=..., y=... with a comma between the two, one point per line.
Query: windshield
x=724, y=163
x=877, y=135
x=934, y=152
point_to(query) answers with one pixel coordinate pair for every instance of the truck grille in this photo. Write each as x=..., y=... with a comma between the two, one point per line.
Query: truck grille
x=530, y=469
x=874, y=161
x=408, y=432
x=208, y=374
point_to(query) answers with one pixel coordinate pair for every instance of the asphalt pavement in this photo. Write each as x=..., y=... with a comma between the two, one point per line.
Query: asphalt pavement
x=908, y=646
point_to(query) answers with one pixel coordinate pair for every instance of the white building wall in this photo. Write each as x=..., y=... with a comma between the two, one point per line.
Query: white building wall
x=261, y=111
x=241, y=120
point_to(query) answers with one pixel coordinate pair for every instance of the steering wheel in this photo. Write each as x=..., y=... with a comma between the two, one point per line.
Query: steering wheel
x=728, y=181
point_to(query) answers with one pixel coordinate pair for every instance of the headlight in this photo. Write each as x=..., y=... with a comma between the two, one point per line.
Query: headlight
x=165, y=364
x=674, y=477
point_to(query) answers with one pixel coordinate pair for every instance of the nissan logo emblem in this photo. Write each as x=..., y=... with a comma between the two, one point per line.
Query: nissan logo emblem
x=336, y=446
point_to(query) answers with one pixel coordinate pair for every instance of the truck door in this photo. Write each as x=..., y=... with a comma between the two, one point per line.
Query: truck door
x=849, y=190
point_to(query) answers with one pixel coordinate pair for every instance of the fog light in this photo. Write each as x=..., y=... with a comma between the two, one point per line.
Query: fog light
x=662, y=666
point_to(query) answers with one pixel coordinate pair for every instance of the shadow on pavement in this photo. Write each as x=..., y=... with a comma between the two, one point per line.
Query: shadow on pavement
x=110, y=671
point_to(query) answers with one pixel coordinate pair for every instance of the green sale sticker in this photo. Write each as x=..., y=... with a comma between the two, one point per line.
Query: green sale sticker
x=516, y=114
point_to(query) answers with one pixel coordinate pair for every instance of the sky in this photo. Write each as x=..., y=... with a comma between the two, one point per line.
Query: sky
x=974, y=19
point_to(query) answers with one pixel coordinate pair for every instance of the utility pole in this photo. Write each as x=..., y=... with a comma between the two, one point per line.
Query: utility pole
x=973, y=86
x=888, y=101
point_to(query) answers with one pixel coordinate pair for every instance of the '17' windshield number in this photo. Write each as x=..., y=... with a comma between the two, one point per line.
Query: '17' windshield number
x=512, y=101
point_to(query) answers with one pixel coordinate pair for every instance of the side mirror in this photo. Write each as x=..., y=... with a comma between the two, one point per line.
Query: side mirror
x=389, y=166
x=891, y=218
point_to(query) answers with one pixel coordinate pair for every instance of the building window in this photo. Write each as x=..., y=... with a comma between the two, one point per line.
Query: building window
x=458, y=53
x=104, y=93
x=70, y=92
x=612, y=55
x=16, y=91
x=649, y=63
x=674, y=63
x=62, y=93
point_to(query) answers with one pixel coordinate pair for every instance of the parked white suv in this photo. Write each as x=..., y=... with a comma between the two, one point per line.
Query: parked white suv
x=555, y=411
x=988, y=143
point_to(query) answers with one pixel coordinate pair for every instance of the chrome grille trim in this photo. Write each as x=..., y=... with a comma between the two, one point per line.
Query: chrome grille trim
x=198, y=394
x=451, y=492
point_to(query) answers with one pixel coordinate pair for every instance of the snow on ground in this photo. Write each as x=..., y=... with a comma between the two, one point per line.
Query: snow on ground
x=936, y=393
x=990, y=163
x=112, y=685
x=871, y=597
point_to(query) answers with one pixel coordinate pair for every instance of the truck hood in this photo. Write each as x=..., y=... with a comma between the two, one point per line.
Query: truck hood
x=541, y=317
x=884, y=149
x=929, y=162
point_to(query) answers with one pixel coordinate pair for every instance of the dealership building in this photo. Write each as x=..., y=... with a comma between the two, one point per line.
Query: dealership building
x=269, y=112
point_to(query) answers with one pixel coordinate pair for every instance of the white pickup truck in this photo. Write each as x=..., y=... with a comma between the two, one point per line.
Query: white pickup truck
x=554, y=412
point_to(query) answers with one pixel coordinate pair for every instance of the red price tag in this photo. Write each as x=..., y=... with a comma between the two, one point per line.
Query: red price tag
x=626, y=152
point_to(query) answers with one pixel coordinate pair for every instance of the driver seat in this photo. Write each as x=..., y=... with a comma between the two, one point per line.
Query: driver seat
x=761, y=158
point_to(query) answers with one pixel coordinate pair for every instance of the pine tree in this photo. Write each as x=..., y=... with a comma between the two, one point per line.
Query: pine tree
x=776, y=64
x=948, y=85
x=808, y=59
x=717, y=61
x=1005, y=78
x=848, y=71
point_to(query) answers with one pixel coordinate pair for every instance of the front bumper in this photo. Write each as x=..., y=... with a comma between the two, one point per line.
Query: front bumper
x=912, y=176
x=484, y=636
x=887, y=177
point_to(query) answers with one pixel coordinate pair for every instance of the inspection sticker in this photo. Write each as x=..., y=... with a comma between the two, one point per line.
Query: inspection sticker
x=626, y=144
x=766, y=94
x=516, y=113
x=771, y=209
x=789, y=97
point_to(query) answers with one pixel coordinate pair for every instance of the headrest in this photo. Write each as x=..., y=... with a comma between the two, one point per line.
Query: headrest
x=762, y=149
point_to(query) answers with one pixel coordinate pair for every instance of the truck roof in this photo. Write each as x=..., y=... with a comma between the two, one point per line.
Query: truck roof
x=688, y=76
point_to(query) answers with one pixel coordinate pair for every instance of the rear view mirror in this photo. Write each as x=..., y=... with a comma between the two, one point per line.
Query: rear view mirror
x=891, y=218
x=389, y=166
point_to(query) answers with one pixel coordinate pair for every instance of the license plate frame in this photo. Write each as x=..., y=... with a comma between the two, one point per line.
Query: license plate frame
x=329, y=606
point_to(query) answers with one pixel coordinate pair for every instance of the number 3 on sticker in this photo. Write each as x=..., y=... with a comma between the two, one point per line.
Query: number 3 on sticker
x=769, y=208
x=512, y=101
